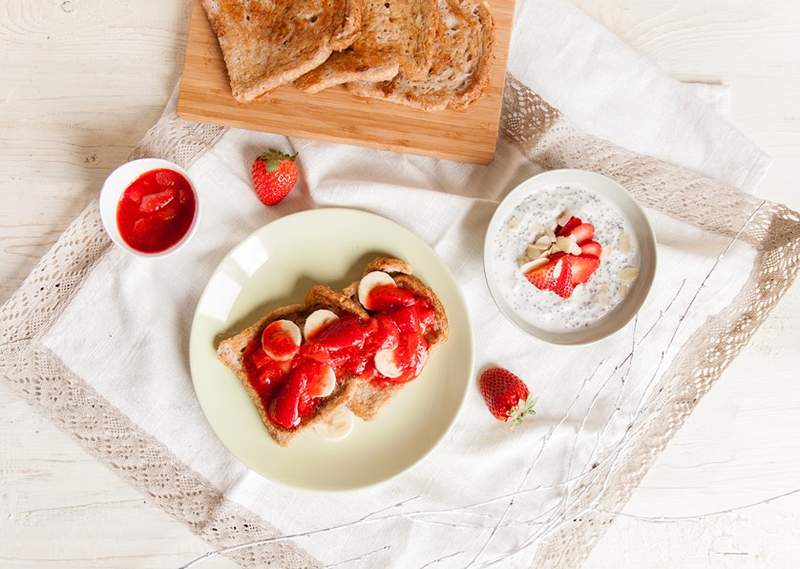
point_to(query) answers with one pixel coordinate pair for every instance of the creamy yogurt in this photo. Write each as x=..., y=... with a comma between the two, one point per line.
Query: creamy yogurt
x=591, y=301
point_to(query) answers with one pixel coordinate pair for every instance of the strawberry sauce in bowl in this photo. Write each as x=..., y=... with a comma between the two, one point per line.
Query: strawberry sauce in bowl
x=149, y=207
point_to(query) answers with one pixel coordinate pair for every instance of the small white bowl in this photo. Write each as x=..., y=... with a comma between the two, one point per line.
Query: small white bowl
x=116, y=184
x=614, y=193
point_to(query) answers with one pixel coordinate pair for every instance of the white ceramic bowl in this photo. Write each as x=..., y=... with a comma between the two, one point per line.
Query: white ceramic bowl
x=116, y=184
x=610, y=191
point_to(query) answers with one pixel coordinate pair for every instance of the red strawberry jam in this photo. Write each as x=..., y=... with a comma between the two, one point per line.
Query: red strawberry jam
x=398, y=321
x=156, y=211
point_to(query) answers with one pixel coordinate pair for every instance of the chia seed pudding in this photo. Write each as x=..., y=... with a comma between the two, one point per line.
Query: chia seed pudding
x=538, y=214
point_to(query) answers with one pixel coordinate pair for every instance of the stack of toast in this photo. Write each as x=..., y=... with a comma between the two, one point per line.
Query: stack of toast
x=428, y=54
x=364, y=397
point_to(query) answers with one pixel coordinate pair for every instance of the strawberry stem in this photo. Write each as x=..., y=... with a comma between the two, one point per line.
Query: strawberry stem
x=274, y=157
x=521, y=410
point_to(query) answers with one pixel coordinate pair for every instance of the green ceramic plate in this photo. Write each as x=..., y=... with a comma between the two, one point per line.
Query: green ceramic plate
x=276, y=265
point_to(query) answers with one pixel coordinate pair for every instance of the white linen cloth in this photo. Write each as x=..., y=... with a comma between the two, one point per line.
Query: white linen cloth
x=126, y=330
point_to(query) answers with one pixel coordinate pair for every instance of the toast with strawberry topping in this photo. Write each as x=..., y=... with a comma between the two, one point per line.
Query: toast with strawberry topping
x=358, y=347
x=369, y=396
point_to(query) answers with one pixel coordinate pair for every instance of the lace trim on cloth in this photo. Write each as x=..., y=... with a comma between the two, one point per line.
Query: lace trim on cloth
x=40, y=378
x=545, y=137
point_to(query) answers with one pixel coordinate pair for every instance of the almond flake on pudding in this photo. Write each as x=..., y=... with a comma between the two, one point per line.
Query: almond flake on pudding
x=624, y=243
x=568, y=244
x=564, y=218
x=628, y=274
x=602, y=295
x=530, y=265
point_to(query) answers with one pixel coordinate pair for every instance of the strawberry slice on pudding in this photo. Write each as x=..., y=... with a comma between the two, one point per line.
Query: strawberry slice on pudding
x=570, y=261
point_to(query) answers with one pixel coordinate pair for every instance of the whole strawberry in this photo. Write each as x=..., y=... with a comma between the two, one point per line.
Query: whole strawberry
x=506, y=395
x=274, y=175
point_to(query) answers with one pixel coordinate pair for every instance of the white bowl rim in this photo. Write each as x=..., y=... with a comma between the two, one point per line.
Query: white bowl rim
x=645, y=237
x=115, y=185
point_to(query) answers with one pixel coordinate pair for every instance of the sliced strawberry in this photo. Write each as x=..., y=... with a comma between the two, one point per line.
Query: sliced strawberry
x=347, y=332
x=582, y=268
x=388, y=297
x=151, y=203
x=582, y=233
x=569, y=226
x=553, y=275
x=591, y=248
x=284, y=409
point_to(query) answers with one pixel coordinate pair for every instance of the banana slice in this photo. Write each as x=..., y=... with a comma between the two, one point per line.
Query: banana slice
x=337, y=426
x=317, y=320
x=386, y=364
x=369, y=282
x=274, y=340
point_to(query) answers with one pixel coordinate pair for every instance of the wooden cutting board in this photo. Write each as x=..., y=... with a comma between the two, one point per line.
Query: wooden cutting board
x=336, y=115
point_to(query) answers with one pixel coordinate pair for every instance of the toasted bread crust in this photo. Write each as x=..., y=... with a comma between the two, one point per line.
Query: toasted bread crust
x=362, y=397
x=460, y=69
x=268, y=43
x=396, y=36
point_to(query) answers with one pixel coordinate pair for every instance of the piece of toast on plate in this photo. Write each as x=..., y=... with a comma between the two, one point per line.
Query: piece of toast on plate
x=460, y=68
x=396, y=36
x=267, y=43
x=232, y=352
x=368, y=396
x=358, y=347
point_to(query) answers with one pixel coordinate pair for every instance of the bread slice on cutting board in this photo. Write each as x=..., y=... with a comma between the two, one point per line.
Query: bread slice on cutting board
x=397, y=36
x=460, y=69
x=267, y=43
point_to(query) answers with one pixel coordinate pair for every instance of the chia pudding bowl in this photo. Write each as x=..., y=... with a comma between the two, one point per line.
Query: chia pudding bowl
x=569, y=256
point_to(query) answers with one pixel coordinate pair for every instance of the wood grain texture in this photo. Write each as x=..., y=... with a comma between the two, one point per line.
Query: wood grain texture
x=81, y=82
x=336, y=115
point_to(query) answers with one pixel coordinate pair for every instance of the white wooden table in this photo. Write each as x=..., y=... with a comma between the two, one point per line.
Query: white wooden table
x=81, y=80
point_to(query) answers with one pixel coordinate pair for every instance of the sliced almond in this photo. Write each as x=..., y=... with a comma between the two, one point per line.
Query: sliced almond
x=568, y=245
x=564, y=218
x=624, y=243
x=537, y=229
x=602, y=295
x=628, y=274
x=530, y=265
x=513, y=222
x=534, y=252
x=543, y=242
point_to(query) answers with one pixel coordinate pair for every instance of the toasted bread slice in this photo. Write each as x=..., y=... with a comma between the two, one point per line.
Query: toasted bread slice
x=231, y=353
x=396, y=36
x=460, y=69
x=367, y=399
x=267, y=43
